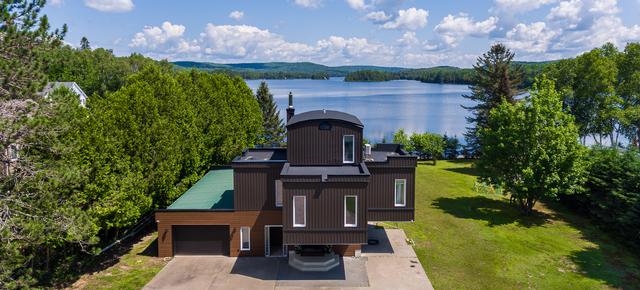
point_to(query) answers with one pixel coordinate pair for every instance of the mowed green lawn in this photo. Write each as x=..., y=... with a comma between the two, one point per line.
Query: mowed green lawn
x=468, y=238
x=132, y=269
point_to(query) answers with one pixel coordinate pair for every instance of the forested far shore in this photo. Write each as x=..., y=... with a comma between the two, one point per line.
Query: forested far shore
x=443, y=74
x=275, y=75
x=305, y=70
x=280, y=70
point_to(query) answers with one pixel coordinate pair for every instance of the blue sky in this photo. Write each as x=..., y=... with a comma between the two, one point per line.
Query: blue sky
x=343, y=32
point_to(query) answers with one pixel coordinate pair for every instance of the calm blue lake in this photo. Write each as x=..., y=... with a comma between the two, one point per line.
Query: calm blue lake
x=383, y=107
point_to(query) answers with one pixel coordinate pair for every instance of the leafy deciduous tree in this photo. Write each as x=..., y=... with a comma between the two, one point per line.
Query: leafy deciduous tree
x=629, y=91
x=428, y=144
x=531, y=148
x=592, y=86
x=400, y=137
x=596, y=105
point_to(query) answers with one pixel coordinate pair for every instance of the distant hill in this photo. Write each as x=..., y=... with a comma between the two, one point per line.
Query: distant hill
x=283, y=69
x=442, y=74
x=309, y=70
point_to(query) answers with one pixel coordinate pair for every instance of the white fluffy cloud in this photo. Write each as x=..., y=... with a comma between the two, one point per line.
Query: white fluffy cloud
x=570, y=27
x=574, y=26
x=240, y=41
x=167, y=36
x=410, y=19
x=535, y=37
x=604, y=6
x=516, y=6
x=352, y=49
x=408, y=39
x=250, y=43
x=308, y=3
x=611, y=29
x=56, y=3
x=110, y=5
x=566, y=10
x=357, y=4
x=378, y=16
x=608, y=28
x=452, y=29
x=237, y=15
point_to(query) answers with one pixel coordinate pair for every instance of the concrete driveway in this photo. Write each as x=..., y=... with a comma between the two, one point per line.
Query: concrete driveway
x=392, y=264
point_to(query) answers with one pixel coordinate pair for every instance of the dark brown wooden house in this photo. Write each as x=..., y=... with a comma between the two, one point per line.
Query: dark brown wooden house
x=318, y=192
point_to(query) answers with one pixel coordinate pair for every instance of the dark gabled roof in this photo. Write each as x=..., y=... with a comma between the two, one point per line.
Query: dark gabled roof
x=324, y=115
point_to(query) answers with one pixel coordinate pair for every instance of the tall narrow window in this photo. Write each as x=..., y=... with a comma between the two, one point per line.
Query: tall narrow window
x=401, y=192
x=278, y=193
x=350, y=211
x=299, y=211
x=245, y=238
x=348, y=149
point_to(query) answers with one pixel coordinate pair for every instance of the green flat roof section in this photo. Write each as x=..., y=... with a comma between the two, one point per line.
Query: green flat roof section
x=213, y=191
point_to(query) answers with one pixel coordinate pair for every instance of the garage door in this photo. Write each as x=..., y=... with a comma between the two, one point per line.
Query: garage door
x=201, y=240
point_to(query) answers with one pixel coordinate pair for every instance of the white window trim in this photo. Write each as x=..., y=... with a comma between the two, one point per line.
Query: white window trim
x=304, y=224
x=346, y=225
x=242, y=239
x=404, y=193
x=353, y=149
x=276, y=193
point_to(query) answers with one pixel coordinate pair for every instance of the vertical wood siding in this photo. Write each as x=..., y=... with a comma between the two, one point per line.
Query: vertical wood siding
x=311, y=237
x=254, y=187
x=254, y=219
x=381, y=193
x=307, y=145
x=391, y=215
x=396, y=162
x=325, y=213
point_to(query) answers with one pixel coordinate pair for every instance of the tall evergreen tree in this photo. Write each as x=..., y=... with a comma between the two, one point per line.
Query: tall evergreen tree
x=495, y=79
x=24, y=36
x=84, y=43
x=273, y=131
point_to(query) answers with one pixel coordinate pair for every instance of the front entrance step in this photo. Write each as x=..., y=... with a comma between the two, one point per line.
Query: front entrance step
x=313, y=263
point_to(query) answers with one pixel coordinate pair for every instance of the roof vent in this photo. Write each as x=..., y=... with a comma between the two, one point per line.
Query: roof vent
x=290, y=100
x=367, y=152
x=290, y=110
